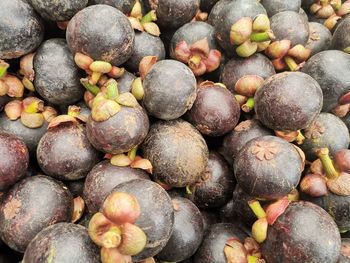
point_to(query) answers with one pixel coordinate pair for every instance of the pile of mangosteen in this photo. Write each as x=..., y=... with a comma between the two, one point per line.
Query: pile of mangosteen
x=163, y=131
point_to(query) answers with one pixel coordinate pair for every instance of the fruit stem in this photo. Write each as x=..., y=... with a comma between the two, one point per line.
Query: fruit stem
x=260, y=36
x=249, y=105
x=257, y=208
x=194, y=61
x=327, y=163
x=324, y=2
x=188, y=190
x=149, y=17
x=3, y=68
x=252, y=259
x=292, y=65
x=300, y=138
x=92, y=88
x=132, y=153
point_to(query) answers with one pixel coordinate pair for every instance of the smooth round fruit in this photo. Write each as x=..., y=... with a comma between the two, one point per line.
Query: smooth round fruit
x=177, y=151
x=31, y=205
x=320, y=38
x=62, y=243
x=123, y=5
x=275, y=6
x=288, y=101
x=268, y=168
x=21, y=29
x=57, y=78
x=14, y=160
x=103, y=33
x=170, y=90
x=341, y=36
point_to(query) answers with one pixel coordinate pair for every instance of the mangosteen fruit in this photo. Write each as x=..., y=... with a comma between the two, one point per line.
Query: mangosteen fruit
x=212, y=249
x=22, y=29
x=125, y=82
x=252, y=68
x=62, y=10
x=210, y=217
x=117, y=122
x=145, y=45
x=187, y=232
x=170, y=90
x=173, y=14
x=303, y=233
x=177, y=151
x=215, y=111
x=62, y=243
x=31, y=205
x=326, y=131
x=214, y=189
x=341, y=38
x=207, y=5
x=320, y=38
x=268, y=168
x=241, y=26
x=330, y=69
x=157, y=214
x=101, y=32
x=276, y=6
x=101, y=180
x=288, y=101
x=239, y=136
x=124, y=6
x=216, y=9
x=194, y=44
x=64, y=152
x=28, y=120
x=14, y=161
x=56, y=76
x=344, y=251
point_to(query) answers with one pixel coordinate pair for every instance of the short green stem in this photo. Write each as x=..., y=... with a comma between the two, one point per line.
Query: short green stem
x=260, y=36
x=257, y=209
x=132, y=153
x=300, y=138
x=252, y=259
x=149, y=17
x=327, y=163
x=249, y=105
x=188, y=190
x=3, y=68
x=92, y=88
x=292, y=65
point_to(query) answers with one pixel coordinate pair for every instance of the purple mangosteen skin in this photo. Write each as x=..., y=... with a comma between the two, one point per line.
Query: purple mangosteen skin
x=31, y=205
x=101, y=32
x=101, y=180
x=62, y=242
x=303, y=233
x=341, y=36
x=268, y=168
x=62, y=10
x=320, y=38
x=275, y=6
x=14, y=160
x=22, y=30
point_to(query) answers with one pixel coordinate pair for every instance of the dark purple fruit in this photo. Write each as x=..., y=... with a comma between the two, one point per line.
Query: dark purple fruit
x=209, y=218
x=327, y=131
x=62, y=242
x=288, y=101
x=62, y=10
x=21, y=29
x=330, y=69
x=187, y=232
x=214, y=14
x=157, y=214
x=173, y=14
x=14, y=160
x=341, y=36
x=3, y=101
x=177, y=151
x=103, y=178
x=239, y=136
x=228, y=15
x=120, y=133
x=123, y=5
x=125, y=82
x=31, y=205
x=320, y=38
x=30, y=137
x=268, y=167
x=303, y=233
x=215, y=187
x=215, y=111
x=170, y=90
x=236, y=68
x=65, y=152
x=145, y=45
x=291, y=26
x=103, y=33
x=75, y=187
x=56, y=76
x=212, y=247
x=344, y=251
x=207, y=5
x=275, y=6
